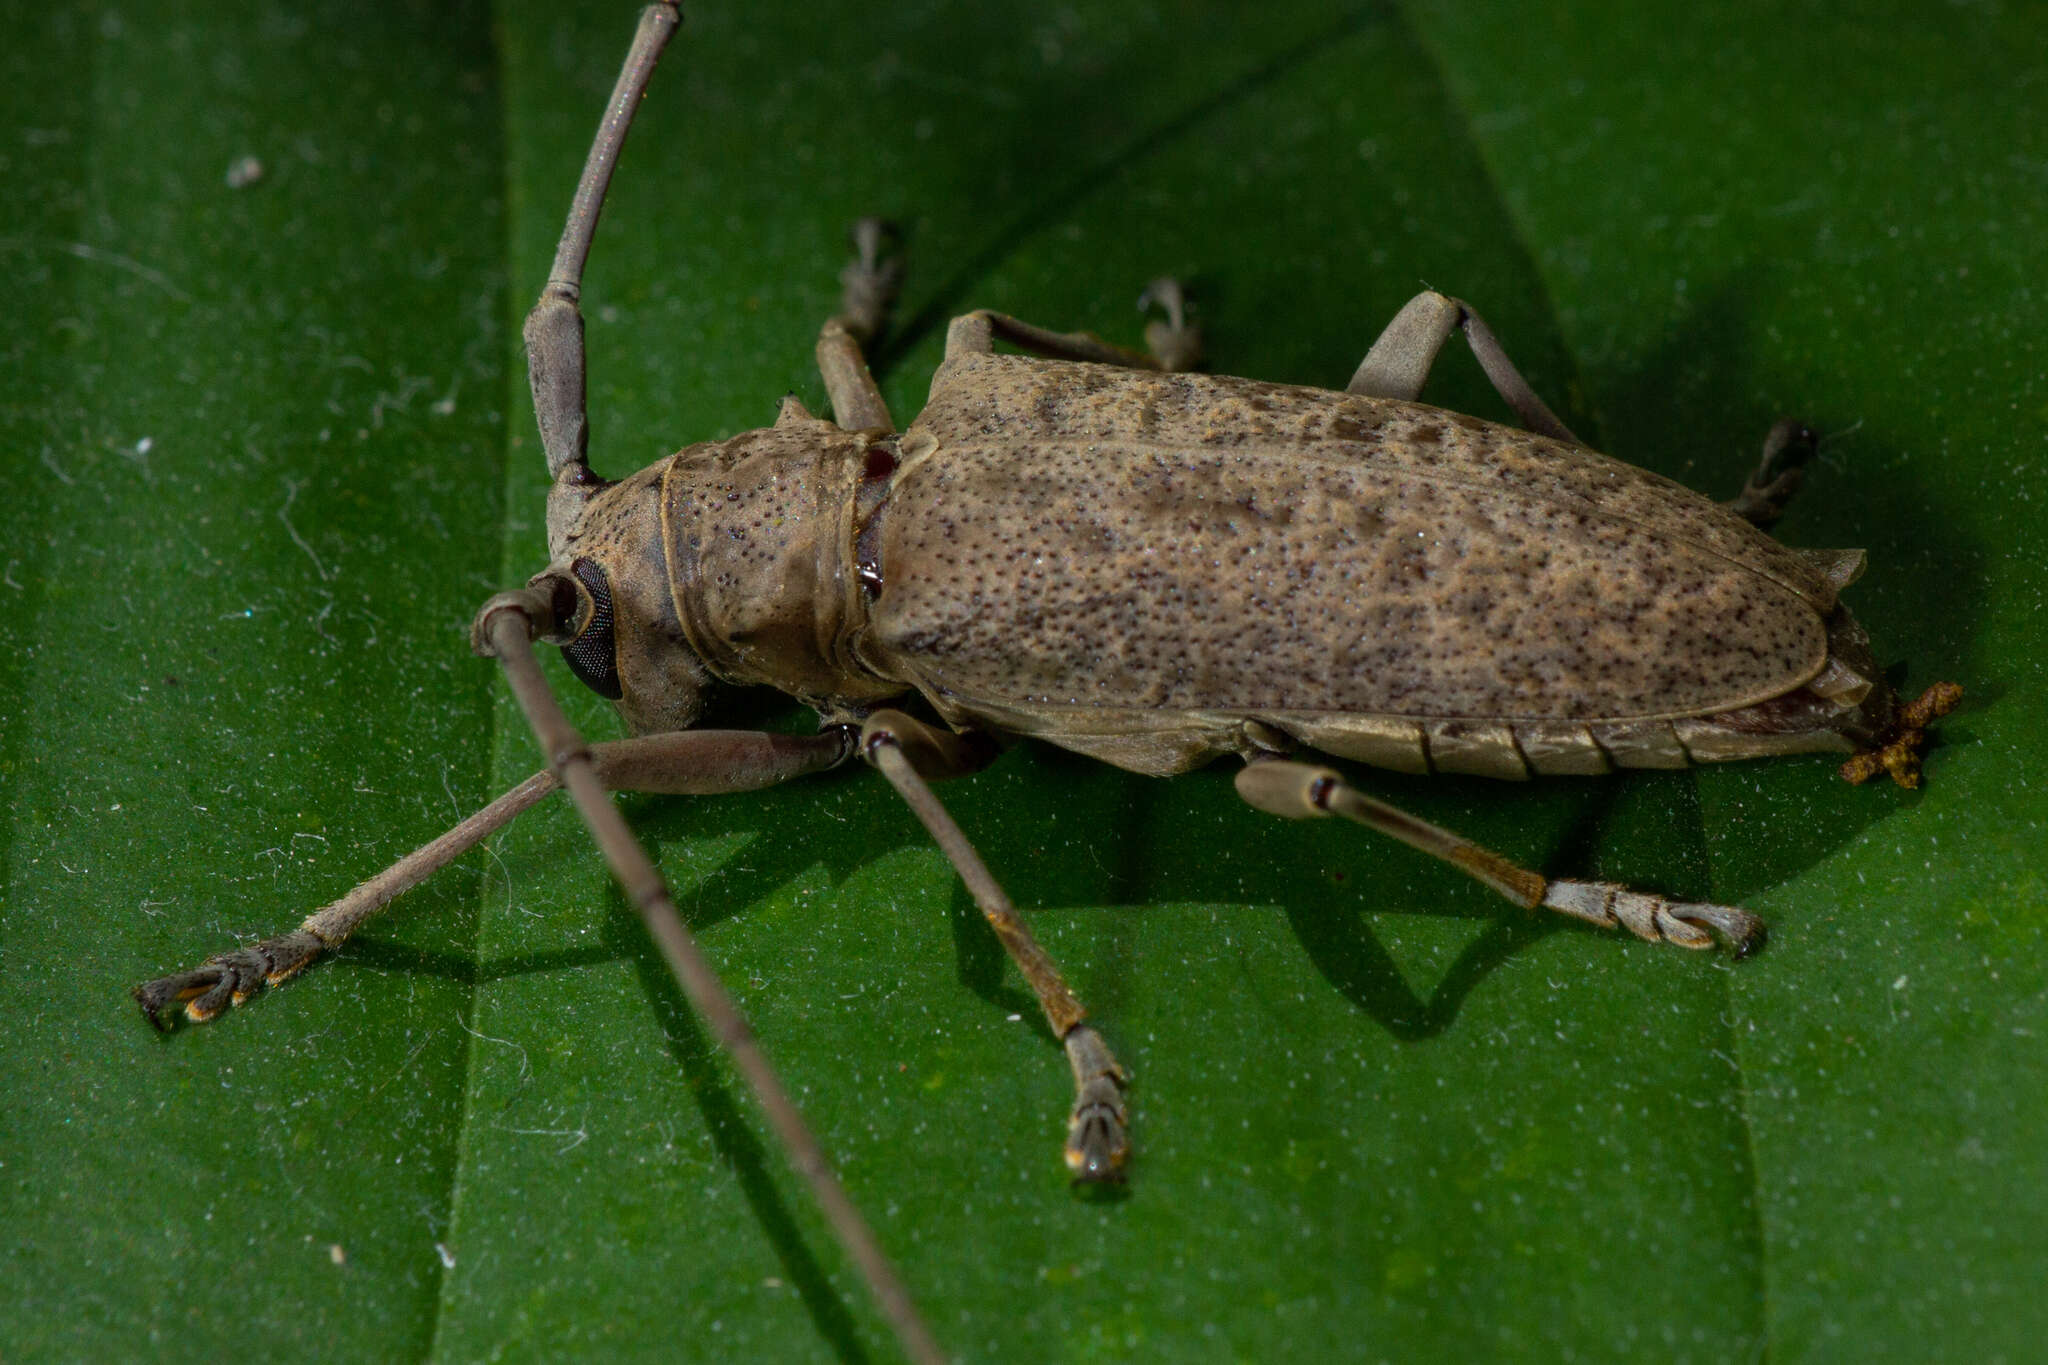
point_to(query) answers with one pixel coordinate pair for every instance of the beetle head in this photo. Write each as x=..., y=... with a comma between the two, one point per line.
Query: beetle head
x=614, y=615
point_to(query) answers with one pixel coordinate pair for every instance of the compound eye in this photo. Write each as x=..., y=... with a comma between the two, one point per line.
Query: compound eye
x=593, y=655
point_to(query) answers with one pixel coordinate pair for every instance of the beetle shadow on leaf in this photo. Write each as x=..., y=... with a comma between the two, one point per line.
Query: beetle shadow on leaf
x=1117, y=843
x=1352, y=959
x=743, y=1146
x=433, y=931
x=1330, y=879
x=1696, y=410
x=1145, y=847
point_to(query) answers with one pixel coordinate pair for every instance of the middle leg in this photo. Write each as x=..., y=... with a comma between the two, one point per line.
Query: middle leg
x=906, y=751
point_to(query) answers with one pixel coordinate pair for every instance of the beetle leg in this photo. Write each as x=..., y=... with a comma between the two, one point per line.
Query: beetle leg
x=1398, y=364
x=1778, y=475
x=1173, y=341
x=976, y=333
x=554, y=329
x=1098, y=1142
x=868, y=288
x=686, y=762
x=1298, y=791
x=1898, y=752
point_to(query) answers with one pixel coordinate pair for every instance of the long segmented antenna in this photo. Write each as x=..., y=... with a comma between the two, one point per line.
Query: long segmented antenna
x=505, y=629
x=508, y=624
x=554, y=329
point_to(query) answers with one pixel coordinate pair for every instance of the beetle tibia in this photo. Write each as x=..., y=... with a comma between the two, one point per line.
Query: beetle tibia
x=229, y=978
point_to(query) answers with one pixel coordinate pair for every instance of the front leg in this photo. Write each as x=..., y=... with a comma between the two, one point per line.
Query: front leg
x=868, y=290
x=684, y=763
x=1174, y=344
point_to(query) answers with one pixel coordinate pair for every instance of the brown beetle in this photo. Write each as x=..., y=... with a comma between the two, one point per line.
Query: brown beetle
x=1092, y=547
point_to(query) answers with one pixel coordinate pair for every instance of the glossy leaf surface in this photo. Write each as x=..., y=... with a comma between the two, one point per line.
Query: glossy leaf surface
x=269, y=445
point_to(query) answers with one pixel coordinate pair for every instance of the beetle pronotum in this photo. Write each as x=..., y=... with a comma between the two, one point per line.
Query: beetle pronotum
x=1091, y=546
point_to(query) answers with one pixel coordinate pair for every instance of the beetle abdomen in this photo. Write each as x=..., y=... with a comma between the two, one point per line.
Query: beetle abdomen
x=1074, y=538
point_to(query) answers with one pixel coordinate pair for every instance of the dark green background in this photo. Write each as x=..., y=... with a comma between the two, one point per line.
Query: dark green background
x=266, y=448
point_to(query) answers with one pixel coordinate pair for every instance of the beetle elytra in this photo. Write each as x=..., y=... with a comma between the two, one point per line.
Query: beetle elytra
x=1094, y=547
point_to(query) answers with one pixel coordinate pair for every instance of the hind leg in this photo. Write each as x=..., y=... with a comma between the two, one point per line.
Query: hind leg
x=1298, y=791
x=1778, y=475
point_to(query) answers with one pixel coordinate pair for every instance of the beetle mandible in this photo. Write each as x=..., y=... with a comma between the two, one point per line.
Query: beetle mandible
x=1097, y=548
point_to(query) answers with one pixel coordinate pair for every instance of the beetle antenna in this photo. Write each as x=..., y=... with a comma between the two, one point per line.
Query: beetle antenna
x=554, y=329
x=505, y=629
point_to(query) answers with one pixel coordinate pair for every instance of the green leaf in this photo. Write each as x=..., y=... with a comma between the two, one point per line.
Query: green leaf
x=269, y=446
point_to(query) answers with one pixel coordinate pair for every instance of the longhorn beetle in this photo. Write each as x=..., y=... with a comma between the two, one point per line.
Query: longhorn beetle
x=1094, y=547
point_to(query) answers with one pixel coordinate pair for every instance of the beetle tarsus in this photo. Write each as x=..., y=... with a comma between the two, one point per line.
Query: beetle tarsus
x=1743, y=932
x=227, y=979
x=1779, y=473
x=1753, y=942
x=1689, y=924
x=869, y=282
x=1173, y=341
x=1899, y=752
x=1098, y=1135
